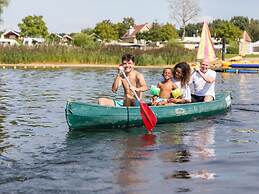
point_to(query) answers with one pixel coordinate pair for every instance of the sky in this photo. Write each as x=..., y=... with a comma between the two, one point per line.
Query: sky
x=73, y=16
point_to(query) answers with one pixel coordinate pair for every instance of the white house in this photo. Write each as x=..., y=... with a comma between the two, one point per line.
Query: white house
x=193, y=42
x=8, y=42
x=33, y=41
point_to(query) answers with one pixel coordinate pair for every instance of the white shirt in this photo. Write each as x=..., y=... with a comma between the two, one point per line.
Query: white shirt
x=200, y=86
x=185, y=90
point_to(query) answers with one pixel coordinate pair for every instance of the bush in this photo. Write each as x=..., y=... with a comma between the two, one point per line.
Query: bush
x=233, y=48
x=84, y=41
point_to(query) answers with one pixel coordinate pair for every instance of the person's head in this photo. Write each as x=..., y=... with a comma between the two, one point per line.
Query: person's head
x=204, y=66
x=167, y=73
x=128, y=62
x=182, y=73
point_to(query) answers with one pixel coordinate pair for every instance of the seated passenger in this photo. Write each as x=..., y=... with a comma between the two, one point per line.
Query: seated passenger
x=181, y=78
x=203, y=82
x=164, y=89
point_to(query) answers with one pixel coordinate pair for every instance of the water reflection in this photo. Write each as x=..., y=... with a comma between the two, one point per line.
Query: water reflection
x=173, y=149
x=3, y=109
x=201, y=142
x=146, y=157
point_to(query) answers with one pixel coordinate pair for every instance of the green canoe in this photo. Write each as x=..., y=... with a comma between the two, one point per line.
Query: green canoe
x=93, y=116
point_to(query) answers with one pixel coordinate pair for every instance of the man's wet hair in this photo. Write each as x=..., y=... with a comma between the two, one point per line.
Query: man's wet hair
x=128, y=57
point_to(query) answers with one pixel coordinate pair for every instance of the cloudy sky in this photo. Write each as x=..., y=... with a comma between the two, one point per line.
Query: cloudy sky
x=72, y=16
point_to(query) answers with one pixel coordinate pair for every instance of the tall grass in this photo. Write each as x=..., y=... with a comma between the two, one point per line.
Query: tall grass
x=102, y=55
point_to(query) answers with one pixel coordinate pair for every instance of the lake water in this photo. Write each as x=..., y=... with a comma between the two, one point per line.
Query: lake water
x=38, y=153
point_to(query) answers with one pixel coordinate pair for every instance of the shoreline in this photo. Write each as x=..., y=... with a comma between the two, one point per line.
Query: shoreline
x=55, y=65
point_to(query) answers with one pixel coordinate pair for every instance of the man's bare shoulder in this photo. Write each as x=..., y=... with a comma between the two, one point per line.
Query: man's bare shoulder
x=138, y=74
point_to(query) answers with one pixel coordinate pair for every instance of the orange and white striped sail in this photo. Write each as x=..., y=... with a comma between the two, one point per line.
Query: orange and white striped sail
x=206, y=49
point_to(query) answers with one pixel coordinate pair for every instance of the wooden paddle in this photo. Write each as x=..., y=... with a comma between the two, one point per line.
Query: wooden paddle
x=148, y=116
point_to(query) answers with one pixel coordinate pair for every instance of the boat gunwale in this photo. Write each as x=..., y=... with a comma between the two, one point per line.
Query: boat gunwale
x=220, y=98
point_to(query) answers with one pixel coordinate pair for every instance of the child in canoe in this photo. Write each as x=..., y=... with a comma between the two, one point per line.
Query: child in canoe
x=164, y=89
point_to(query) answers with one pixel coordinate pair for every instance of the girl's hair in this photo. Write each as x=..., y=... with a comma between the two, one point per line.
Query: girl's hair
x=186, y=72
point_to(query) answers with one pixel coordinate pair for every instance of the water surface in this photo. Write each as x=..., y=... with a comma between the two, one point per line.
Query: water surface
x=38, y=153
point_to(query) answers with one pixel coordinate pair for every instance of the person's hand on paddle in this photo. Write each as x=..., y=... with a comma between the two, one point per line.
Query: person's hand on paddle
x=195, y=69
x=120, y=68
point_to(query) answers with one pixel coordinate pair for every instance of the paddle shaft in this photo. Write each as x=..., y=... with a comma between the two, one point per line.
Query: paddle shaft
x=148, y=117
x=127, y=79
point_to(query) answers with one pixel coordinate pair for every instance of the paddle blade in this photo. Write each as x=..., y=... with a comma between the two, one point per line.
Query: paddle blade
x=148, y=116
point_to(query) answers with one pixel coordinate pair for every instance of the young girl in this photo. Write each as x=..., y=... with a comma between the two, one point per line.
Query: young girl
x=181, y=78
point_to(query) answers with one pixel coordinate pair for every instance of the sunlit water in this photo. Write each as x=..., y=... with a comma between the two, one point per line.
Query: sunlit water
x=38, y=153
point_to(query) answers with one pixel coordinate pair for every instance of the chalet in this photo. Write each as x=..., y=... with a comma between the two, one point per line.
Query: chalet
x=55, y=36
x=66, y=38
x=33, y=41
x=8, y=42
x=192, y=43
x=130, y=35
x=11, y=34
x=249, y=48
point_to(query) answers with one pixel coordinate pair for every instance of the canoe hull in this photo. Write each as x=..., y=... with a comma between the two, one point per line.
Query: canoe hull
x=92, y=116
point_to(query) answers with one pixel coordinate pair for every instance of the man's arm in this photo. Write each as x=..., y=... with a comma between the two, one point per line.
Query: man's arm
x=207, y=78
x=117, y=83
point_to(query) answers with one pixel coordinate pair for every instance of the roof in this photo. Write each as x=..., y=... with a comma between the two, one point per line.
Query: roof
x=68, y=37
x=134, y=30
x=55, y=34
x=11, y=31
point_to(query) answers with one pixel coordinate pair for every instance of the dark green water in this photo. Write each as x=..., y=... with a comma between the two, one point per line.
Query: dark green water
x=38, y=154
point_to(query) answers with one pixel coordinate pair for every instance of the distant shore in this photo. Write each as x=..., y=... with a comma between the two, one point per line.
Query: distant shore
x=45, y=66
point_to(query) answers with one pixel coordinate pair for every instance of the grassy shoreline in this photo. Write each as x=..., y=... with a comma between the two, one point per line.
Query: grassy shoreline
x=105, y=55
x=43, y=65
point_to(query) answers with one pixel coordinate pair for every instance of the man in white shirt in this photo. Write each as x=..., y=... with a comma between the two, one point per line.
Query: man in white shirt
x=203, y=82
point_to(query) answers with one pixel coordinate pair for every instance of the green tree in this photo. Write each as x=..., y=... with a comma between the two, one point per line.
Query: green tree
x=224, y=28
x=128, y=21
x=159, y=33
x=191, y=30
x=84, y=40
x=3, y=4
x=88, y=31
x=106, y=31
x=33, y=26
x=253, y=29
x=123, y=26
x=240, y=21
x=168, y=32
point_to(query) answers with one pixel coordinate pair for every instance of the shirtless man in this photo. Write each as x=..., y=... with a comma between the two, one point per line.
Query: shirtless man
x=166, y=87
x=136, y=79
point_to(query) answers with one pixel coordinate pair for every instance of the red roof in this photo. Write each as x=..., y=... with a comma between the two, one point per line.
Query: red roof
x=11, y=32
x=135, y=30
